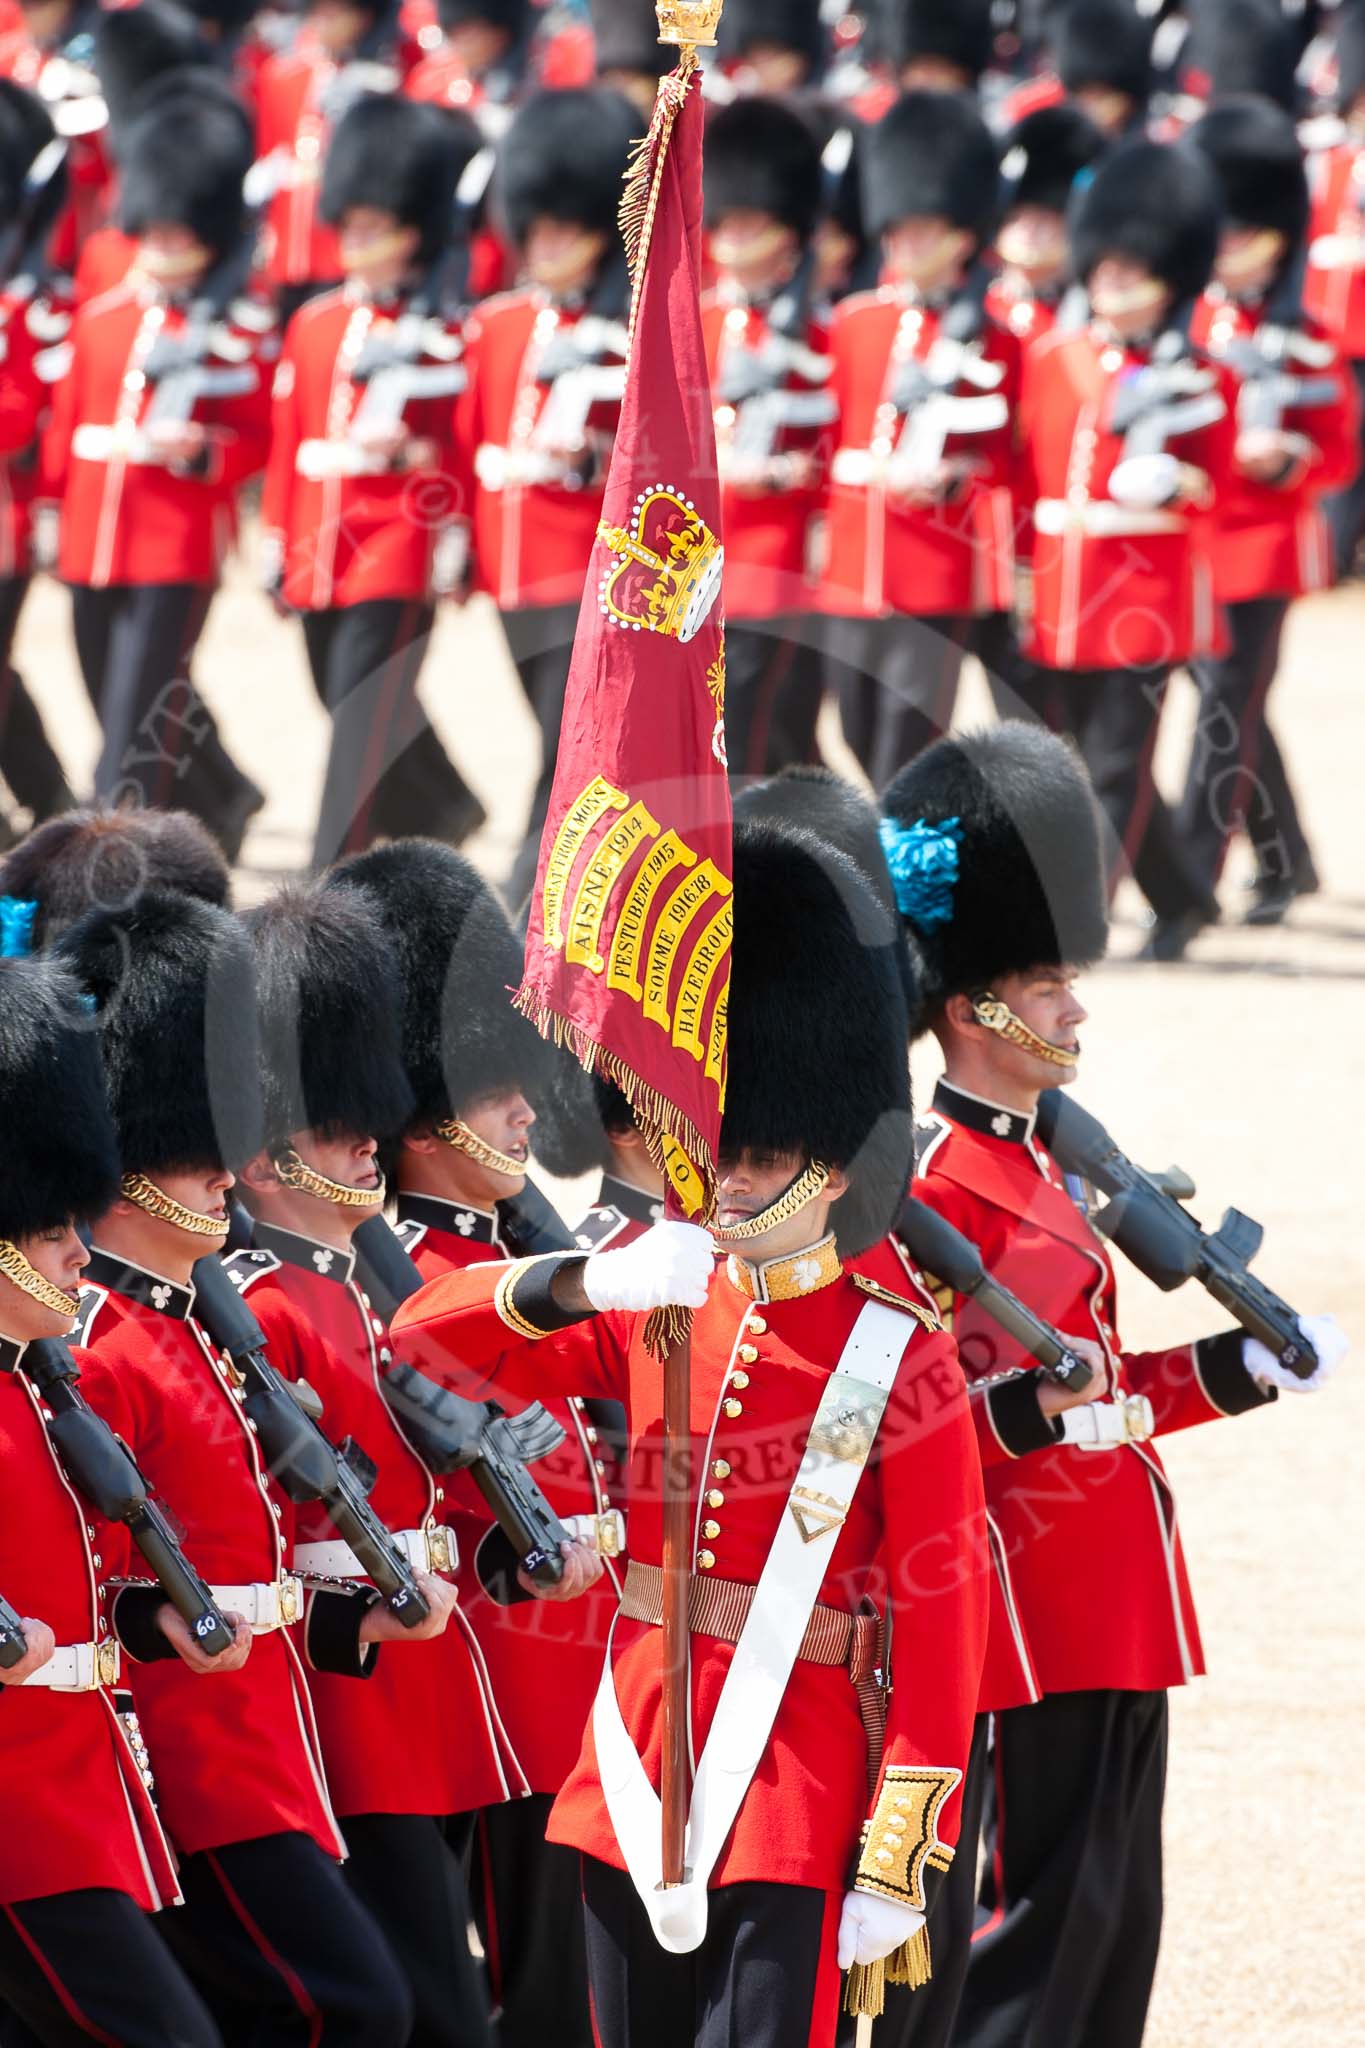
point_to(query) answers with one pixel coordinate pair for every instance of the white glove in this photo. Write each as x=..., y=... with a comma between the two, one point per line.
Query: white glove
x=1144, y=482
x=669, y=1267
x=1327, y=1338
x=871, y=1928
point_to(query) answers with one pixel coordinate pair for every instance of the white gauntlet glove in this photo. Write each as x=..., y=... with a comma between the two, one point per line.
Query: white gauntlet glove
x=1327, y=1338
x=669, y=1267
x=871, y=1928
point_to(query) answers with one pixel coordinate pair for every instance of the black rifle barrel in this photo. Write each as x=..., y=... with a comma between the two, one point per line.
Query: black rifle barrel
x=947, y=1255
x=13, y=1641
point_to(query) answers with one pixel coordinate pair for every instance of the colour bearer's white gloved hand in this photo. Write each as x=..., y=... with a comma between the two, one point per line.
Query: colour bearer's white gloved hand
x=669, y=1267
x=871, y=1928
x=1327, y=1338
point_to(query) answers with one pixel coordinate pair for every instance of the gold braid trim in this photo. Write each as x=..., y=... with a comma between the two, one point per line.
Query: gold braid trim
x=644, y=173
x=31, y=1282
x=901, y=1838
x=454, y=1132
x=803, y=1189
x=999, y=1017
x=146, y=1195
x=505, y=1303
x=912, y=1963
x=294, y=1174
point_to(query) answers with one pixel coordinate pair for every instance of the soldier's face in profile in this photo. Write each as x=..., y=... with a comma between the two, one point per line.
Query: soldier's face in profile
x=1033, y=241
x=1045, y=999
x=1127, y=298
x=376, y=247
x=562, y=256
x=172, y=254
x=926, y=251
x=756, y=250
x=339, y=1156
x=751, y=1181
x=1248, y=259
x=60, y=1257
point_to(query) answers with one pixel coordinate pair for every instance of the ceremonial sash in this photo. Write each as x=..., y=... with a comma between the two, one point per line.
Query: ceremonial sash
x=837, y=1450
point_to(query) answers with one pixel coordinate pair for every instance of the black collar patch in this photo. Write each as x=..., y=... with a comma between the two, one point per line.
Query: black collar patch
x=456, y=1219
x=976, y=1113
x=636, y=1203
x=293, y=1249
x=136, y=1283
x=10, y=1354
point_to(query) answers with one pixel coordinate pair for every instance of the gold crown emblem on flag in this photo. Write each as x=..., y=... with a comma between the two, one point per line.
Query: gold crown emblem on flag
x=689, y=21
x=667, y=571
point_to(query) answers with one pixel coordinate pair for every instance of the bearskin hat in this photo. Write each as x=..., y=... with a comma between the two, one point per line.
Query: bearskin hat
x=227, y=17
x=786, y=24
x=565, y=156
x=170, y=978
x=1241, y=46
x=61, y=1149
x=457, y=963
x=817, y=1060
x=133, y=45
x=25, y=130
x=1045, y=153
x=185, y=162
x=1157, y=203
x=327, y=1002
x=820, y=803
x=994, y=851
x=1105, y=44
x=511, y=15
x=626, y=37
x=102, y=859
x=760, y=153
x=1348, y=38
x=959, y=31
x=1253, y=146
x=402, y=156
x=194, y=84
x=931, y=154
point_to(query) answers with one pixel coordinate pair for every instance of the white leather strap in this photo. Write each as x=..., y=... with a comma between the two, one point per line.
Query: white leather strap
x=604, y=1533
x=94, y=443
x=1106, y=1425
x=79, y=1667
x=426, y=1550
x=498, y=468
x=263, y=1608
x=837, y=1450
x=317, y=460
x=1103, y=519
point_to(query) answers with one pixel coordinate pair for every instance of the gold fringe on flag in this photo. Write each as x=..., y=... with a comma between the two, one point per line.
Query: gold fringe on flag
x=911, y=1963
x=644, y=173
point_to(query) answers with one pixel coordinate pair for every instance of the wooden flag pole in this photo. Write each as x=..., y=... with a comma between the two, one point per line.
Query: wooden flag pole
x=675, y=1783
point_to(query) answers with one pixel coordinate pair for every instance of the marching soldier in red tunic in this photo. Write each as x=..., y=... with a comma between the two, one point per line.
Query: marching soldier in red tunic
x=83, y=1861
x=472, y=1063
x=269, y=1930
x=1298, y=439
x=161, y=419
x=546, y=379
x=941, y=45
x=815, y=1156
x=628, y=54
x=366, y=507
x=920, y=511
x=770, y=367
x=478, y=64
x=993, y=848
x=1127, y=445
x=1334, y=279
x=1103, y=54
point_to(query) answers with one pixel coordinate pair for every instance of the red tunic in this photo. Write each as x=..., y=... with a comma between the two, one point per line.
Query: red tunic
x=537, y=1649
x=886, y=555
x=1113, y=586
x=768, y=531
x=76, y=1811
x=424, y=1734
x=235, y=1756
x=1093, y=1542
x=1271, y=540
x=540, y=451
x=35, y=355
x=126, y=517
x=348, y=529
x=919, y=1502
x=1334, y=283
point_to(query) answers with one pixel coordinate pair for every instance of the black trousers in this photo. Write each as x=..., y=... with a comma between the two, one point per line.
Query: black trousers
x=161, y=744
x=1113, y=715
x=764, y=1977
x=1066, y=1950
x=529, y=1910
x=1346, y=511
x=27, y=760
x=897, y=684
x=388, y=775
x=1019, y=688
x=774, y=681
x=90, y=1966
x=284, y=1953
x=541, y=645
x=1236, y=777
x=408, y=1871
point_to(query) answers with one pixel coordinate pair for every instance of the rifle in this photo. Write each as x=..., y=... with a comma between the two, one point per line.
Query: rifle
x=1269, y=362
x=176, y=365
x=23, y=245
x=948, y=1256
x=304, y=1461
x=925, y=393
x=1171, y=394
x=13, y=1641
x=1154, y=1229
x=102, y=1470
x=575, y=368
x=455, y=1435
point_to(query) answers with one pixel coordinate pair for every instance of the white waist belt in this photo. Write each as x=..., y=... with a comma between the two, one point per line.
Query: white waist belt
x=498, y=468
x=91, y=443
x=1102, y=518
x=426, y=1550
x=263, y=1608
x=1104, y=1425
x=604, y=1533
x=317, y=460
x=79, y=1667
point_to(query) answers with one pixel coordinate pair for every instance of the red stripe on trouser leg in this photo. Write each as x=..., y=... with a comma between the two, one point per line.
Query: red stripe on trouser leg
x=492, y=1945
x=829, y=1983
x=997, y=1850
x=56, y=1986
x=592, y=2002
x=297, y=1989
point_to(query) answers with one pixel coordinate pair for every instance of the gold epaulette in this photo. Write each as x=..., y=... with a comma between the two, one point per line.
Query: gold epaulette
x=875, y=1289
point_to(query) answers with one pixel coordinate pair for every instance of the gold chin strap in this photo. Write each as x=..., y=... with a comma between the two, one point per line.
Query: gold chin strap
x=998, y=1016
x=135, y=1187
x=30, y=1281
x=803, y=1189
x=479, y=1150
x=294, y=1174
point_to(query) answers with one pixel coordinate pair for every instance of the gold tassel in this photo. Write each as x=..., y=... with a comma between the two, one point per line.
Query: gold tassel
x=665, y=1327
x=911, y=1963
x=640, y=194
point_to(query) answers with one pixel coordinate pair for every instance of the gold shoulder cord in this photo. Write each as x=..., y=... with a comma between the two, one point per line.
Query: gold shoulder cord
x=294, y=1174
x=30, y=1281
x=802, y=1190
x=136, y=1188
x=999, y=1017
x=458, y=1134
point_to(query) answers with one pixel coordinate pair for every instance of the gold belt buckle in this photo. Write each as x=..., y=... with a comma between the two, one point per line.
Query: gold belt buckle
x=107, y=1662
x=290, y=1601
x=1138, y=1421
x=440, y=1549
x=611, y=1533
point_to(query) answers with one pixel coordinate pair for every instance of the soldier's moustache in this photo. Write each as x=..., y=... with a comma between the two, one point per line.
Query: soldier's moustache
x=809, y=1183
x=999, y=1017
x=31, y=1282
x=292, y=1173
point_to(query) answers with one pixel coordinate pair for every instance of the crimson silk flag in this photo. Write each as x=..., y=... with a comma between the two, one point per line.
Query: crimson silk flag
x=628, y=946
